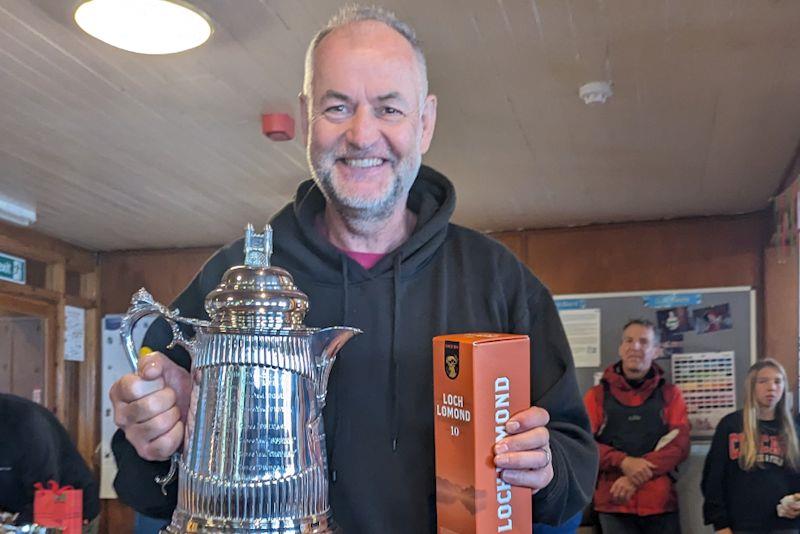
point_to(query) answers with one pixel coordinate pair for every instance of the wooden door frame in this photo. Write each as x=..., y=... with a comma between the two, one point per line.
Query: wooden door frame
x=61, y=261
x=54, y=370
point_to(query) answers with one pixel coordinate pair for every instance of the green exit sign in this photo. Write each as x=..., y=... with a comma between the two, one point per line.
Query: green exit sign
x=12, y=269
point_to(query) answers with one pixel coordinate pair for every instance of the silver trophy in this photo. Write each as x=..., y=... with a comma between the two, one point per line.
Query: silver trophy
x=253, y=458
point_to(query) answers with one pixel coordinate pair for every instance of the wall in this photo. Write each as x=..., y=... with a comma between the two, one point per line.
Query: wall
x=164, y=273
x=684, y=253
x=781, y=310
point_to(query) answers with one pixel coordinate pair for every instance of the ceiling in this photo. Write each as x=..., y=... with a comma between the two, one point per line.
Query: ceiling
x=122, y=151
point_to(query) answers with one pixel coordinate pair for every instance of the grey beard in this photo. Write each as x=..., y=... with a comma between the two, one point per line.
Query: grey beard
x=356, y=211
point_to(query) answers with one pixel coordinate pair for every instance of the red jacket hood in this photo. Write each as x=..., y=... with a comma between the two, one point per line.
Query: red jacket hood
x=626, y=393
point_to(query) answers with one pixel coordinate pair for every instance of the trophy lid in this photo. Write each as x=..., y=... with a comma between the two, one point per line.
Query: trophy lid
x=257, y=295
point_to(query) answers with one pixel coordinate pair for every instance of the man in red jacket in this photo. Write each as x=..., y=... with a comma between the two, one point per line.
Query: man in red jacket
x=639, y=421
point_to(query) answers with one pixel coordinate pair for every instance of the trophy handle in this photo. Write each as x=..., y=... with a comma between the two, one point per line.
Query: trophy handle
x=142, y=305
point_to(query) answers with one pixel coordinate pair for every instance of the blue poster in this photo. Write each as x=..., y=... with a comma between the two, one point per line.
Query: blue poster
x=570, y=304
x=672, y=300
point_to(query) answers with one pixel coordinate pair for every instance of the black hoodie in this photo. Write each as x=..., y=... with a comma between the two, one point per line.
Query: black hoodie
x=379, y=413
x=35, y=447
x=747, y=500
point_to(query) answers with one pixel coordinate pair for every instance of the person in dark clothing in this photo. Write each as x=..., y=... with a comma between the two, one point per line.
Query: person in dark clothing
x=34, y=447
x=751, y=477
x=369, y=240
x=642, y=430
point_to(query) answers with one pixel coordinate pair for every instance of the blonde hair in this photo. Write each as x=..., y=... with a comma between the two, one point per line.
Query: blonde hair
x=788, y=434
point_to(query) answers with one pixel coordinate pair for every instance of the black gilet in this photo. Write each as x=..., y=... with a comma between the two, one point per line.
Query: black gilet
x=634, y=430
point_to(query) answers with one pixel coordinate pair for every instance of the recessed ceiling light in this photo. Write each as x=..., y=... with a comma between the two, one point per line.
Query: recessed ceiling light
x=144, y=26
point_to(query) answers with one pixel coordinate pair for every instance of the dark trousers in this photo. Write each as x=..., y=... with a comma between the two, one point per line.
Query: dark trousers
x=668, y=523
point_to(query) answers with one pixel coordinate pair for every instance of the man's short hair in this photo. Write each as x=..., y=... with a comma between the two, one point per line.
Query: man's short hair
x=647, y=323
x=355, y=13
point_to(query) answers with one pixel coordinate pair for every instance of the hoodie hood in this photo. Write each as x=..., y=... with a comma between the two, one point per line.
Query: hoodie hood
x=432, y=198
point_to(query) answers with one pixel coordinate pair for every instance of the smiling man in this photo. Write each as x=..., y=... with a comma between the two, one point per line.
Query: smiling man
x=642, y=430
x=369, y=239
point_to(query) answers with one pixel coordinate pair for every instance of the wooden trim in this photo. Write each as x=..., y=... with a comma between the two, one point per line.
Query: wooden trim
x=56, y=280
x=56, y=277
x=46, y=295
x=88, y=380
x=53, y=364
x=88, y=409
x=781, y=311
x=31, y=244
x=26, y=304
x=29, y=292
x=80, y=302
x=60, y=379
x=90, y=287
x=658, y=224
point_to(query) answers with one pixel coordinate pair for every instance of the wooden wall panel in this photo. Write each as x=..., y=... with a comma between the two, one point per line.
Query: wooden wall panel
x=88, y=287
x=686, y=253
x=164, y=273
x=71, y=374
x=781, y=310
x=514, y=241
x=701, y=252
x=6, y=362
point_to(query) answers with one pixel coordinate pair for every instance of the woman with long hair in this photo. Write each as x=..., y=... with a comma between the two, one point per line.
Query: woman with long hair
x=752, y=471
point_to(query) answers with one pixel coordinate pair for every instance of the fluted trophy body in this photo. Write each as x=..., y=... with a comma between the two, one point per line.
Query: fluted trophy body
x=253, y=458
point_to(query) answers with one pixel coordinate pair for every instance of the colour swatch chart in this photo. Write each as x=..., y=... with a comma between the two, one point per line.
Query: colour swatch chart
x=707, y=380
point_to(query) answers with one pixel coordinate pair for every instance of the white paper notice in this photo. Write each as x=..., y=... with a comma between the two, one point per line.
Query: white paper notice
x=583, y=333
x=74, y=322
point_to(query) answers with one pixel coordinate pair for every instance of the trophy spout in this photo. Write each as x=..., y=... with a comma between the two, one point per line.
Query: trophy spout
x=325, y=345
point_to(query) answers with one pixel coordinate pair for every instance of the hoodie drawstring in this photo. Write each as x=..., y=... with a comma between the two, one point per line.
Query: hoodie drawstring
x=394, y=360
x=345, y=290
x=335, y=399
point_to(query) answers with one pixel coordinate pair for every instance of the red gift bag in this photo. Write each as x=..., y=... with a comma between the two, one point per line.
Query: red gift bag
x=60, y=507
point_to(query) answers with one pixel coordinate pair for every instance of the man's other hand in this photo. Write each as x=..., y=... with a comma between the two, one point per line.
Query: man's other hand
x=622, y=490
x=524, y=454
x=151, y=405
x=638, y=470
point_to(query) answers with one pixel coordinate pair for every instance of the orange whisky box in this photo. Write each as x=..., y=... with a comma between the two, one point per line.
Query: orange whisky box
x=479, y=382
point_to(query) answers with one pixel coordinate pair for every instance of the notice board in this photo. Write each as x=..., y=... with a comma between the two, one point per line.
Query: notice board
x=710, y=333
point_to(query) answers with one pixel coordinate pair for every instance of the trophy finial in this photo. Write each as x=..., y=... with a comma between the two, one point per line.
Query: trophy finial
x=257, y=247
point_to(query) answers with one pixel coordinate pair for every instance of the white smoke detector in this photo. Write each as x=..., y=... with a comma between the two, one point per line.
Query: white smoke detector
x=595, y=92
